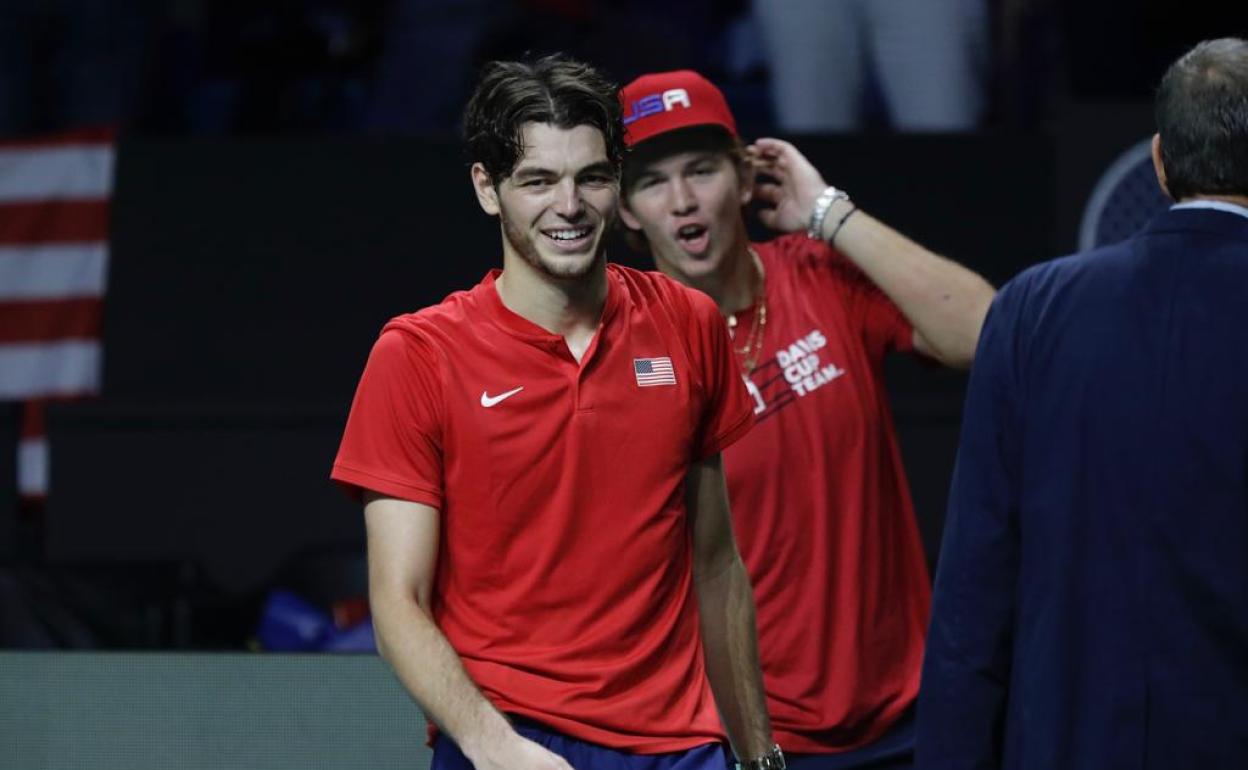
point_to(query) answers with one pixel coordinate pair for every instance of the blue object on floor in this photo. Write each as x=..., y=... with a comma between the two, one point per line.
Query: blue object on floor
x=290, y=623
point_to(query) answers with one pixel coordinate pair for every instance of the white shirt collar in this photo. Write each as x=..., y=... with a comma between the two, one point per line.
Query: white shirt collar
x=1230, y=208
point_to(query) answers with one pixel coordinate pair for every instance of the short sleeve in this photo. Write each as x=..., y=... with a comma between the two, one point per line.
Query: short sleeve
x=880, y=322
x=729, y=412
x=392, y=444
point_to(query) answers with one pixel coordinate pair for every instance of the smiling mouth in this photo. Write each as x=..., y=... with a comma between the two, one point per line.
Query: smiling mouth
x=568, y=235
x=569, y=238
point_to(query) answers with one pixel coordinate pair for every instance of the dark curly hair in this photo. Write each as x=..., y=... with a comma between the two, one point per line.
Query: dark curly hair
x=554, y=89
x=1202, y=116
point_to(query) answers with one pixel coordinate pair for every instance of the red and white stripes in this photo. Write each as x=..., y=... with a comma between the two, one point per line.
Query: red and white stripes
x=54, y=197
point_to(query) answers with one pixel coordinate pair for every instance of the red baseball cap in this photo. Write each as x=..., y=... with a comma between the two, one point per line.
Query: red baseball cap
x=665, y=101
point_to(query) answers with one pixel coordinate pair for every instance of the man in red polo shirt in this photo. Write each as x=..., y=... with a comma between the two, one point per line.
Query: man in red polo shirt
x=819, y=498
x=552, y=570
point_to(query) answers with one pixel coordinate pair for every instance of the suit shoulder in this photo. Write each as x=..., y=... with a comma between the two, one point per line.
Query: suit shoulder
x=1054, y=293
x=1061, y=275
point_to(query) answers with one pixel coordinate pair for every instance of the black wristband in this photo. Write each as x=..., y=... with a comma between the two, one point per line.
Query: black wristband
x=841, y=223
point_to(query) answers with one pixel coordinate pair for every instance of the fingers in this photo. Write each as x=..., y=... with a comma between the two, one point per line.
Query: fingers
x=769, y=153
x=762, y=164
x=768, y=193
x=774, y=169
x=776, y=149
x=771, y=144
x=785, y=161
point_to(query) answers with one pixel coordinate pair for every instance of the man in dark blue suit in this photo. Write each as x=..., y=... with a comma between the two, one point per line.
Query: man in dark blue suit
x=1091, y=602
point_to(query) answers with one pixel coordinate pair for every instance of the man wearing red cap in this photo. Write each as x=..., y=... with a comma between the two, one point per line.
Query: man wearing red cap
x=820, y=502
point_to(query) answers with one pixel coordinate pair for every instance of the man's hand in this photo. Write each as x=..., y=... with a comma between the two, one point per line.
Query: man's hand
x=944, y=301
x=403, y=539
x=516, y=752
x=789, y=199
x=726, y=612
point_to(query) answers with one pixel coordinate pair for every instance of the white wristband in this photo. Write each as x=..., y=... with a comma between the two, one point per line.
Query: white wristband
x=814, y=230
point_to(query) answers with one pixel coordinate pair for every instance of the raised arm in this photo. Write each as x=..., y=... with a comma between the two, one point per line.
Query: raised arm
x=726, y=607
x=944, y=301
x=402, y=558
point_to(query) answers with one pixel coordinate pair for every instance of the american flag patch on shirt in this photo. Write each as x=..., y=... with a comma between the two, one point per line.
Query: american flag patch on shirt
x=654, y=371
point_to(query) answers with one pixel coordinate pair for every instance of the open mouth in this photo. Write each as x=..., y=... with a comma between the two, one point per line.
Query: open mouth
x=569, y=238
x=693, y=239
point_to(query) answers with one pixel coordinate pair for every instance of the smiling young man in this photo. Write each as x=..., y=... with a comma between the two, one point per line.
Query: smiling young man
x=819, y=498
x=552, y=570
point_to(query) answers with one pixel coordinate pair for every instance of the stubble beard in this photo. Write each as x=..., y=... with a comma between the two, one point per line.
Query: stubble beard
x=523, y=245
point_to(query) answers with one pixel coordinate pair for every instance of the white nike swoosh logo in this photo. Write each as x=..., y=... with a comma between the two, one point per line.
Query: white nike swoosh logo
x=487, y=400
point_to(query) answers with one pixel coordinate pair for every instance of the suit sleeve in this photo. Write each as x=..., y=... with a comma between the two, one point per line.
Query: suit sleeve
x=393, y=440
x=966, y=669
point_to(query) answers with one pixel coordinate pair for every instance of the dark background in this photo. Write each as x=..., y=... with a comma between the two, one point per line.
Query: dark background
x=269, y=216
x=248, y=281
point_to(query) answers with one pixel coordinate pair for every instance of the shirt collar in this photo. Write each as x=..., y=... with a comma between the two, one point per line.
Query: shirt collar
x=1230, y=208
x=491, y=304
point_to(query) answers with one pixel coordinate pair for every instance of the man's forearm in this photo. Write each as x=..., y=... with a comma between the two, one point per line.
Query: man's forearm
x=726, y=604
x=432, y=672
x=944, y=301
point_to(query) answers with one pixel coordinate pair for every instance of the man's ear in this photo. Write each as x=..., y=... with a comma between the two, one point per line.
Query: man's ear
x=626, y=216
x=487, y=193
x=745, y=175
x=1158, y=168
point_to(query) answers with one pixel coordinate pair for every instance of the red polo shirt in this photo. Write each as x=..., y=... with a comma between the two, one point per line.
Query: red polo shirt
x=564, y=577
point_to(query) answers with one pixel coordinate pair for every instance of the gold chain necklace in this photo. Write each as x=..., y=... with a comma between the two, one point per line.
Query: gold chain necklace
x=748, y=353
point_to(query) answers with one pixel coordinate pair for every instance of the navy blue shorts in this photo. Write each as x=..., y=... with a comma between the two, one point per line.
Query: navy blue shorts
x=590, y=756
x=894, y=750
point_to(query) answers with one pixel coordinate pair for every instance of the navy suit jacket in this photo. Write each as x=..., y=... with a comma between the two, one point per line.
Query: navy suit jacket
x=1091, y=601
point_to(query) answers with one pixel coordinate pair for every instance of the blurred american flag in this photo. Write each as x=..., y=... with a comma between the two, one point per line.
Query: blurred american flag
x=54, y=199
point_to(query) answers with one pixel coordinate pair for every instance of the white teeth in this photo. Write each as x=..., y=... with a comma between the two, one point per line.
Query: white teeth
x=568, y=235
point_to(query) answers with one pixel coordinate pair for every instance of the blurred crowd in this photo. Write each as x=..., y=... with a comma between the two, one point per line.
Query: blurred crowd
x=178, y=67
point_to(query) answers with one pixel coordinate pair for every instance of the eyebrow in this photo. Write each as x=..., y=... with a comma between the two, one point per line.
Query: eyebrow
x=601, y=167
x=534, y=172
x=651, y=169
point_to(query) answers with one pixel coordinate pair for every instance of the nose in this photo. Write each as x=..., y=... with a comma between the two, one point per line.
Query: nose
x=683, y=200
x=568, y=202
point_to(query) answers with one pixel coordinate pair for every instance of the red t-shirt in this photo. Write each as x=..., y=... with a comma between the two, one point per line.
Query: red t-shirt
x=821, y=508
x=564, y=577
